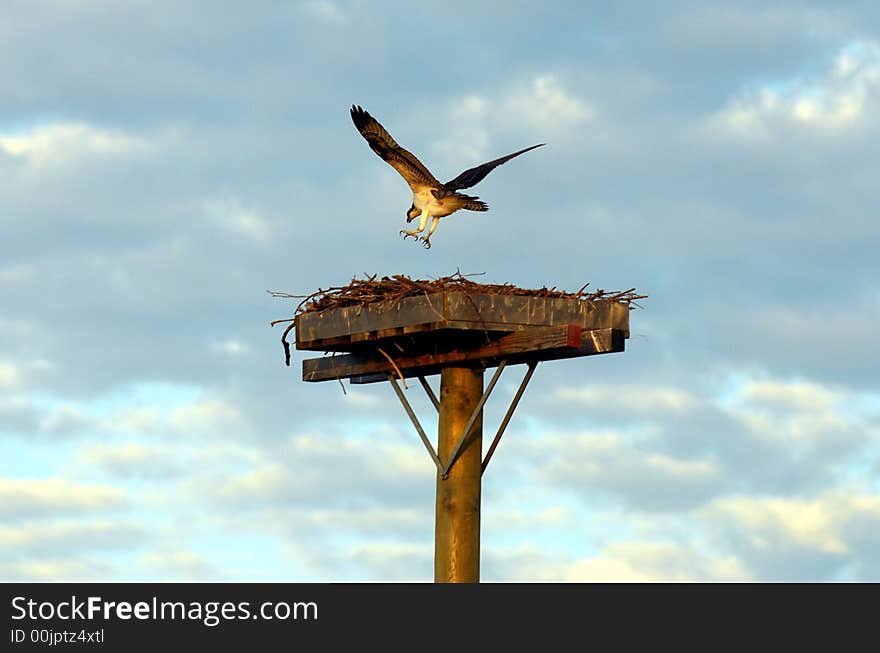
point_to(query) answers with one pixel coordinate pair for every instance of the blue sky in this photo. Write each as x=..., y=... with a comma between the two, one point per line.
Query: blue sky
x=163, y=164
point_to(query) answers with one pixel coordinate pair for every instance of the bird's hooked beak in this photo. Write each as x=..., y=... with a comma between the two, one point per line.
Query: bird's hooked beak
x=412, y=214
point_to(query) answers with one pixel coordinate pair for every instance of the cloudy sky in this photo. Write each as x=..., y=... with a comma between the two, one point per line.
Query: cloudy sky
x=164, y=164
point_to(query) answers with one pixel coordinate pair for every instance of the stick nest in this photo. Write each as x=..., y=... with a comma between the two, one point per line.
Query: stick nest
x=361, y=292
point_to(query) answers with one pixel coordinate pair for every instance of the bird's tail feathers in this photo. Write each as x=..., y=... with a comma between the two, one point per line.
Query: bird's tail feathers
x=476, y=206
x=471, y=203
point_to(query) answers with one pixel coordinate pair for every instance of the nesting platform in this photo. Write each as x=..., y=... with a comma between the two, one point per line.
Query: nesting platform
x=396, y=327
x=420, y=334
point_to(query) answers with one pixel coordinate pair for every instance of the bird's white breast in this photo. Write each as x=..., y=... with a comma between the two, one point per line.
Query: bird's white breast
x=425, y=200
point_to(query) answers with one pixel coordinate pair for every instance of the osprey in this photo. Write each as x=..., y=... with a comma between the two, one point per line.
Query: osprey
x=431, y=199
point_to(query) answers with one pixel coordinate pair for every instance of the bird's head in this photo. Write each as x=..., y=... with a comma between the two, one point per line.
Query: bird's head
x=413, y=213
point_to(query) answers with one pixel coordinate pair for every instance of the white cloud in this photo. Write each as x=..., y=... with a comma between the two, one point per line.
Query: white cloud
x=230, y=347
x=642, y=478
x=180, y=566
x=241, y=220
x=324, y=10
x=300, y=478
x=618, y=562
x=800, y=396
x=763, y=432
x=66, y=142
x=18, y=375
x=76, y=419
x=133, y=460
x=508, y=520
x=53, y=569
x=545, y=104
x=30, y=538
x=541, y=106
x=266, y=480
x=361, y=400
x=150, y=415
x=10, y=378
x=65, y=420
x=844, y=95
x=831, y=524
x=390, y=561
x=654, y=562
x=372, y=520
x=208, y=417
x=26, y=498
x=630, y=397
x=18, y=414
x=136, y=420
x=323, y=472
x=807, y=425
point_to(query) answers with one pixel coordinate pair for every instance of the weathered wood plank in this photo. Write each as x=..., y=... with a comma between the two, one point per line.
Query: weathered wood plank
x=603, y=342
x=540, y=343
x=373, y=317
x=335, y=328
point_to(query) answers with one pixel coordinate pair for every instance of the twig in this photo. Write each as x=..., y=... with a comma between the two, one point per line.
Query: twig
x=338, y=378
x=394, y=365
x=287, y=344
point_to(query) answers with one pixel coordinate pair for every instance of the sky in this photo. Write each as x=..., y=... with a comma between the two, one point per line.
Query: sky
x=164, y=164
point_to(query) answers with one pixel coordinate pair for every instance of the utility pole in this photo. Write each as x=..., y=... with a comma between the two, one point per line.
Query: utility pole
x=457, y=514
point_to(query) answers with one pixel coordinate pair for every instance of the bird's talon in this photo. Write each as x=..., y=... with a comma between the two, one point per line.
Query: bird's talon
x=426, y=242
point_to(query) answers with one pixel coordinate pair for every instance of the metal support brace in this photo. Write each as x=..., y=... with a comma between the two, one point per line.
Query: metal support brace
x=508, y=415
x=430, y=392
x=415, y=421
x=444, y=472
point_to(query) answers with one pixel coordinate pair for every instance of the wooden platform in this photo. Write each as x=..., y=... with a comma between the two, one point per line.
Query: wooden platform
x=421, y=334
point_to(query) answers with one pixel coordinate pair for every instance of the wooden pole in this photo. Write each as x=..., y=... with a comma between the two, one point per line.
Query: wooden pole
x=457, y=514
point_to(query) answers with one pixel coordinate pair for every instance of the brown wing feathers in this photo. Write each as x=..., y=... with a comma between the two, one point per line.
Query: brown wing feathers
x=473, y=176
x=411, y=169
x=381, y=142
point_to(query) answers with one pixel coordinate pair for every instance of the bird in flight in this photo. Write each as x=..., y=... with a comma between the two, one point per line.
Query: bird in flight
x=431, y=199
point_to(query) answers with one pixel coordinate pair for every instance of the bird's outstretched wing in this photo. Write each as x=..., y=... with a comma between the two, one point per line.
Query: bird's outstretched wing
x=405, y=162
x=475, y=175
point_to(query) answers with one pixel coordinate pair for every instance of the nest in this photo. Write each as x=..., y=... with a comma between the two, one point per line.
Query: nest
x=361, y=292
